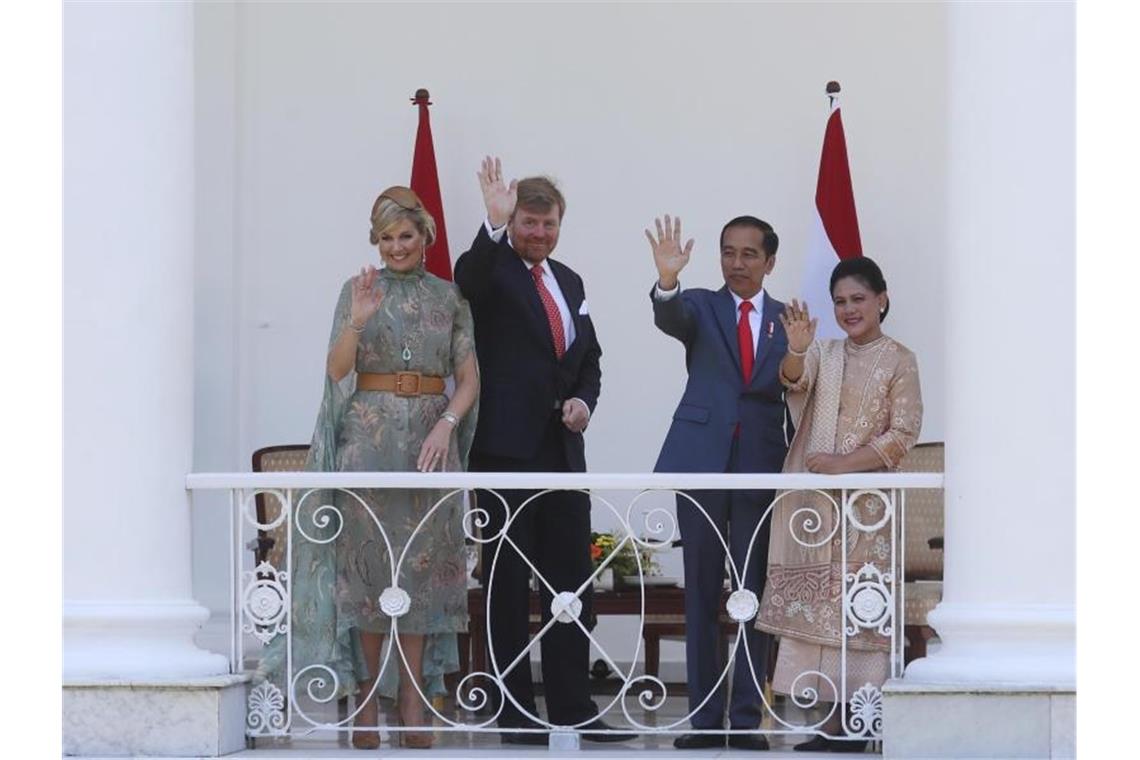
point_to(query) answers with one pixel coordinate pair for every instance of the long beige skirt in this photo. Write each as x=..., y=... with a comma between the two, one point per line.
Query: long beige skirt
x=797, y=657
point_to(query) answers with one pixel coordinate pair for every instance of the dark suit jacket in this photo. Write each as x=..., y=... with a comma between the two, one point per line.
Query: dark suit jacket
x=715, y=399
x=520, y=378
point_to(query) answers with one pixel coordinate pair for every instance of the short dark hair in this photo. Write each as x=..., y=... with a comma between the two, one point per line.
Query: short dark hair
x=865, y=271
x=771, y=240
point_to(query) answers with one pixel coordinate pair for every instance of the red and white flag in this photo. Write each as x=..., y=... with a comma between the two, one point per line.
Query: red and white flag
x=425, y=183
x=836, y=228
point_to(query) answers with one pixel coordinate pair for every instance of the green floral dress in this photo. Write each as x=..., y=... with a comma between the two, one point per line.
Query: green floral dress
x=423, y=325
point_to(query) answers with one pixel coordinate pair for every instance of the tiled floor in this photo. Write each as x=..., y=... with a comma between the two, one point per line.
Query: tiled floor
x=465, y=744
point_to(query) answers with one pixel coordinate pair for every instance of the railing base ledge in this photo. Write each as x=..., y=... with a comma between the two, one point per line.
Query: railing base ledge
x=134, y=718
x=563, y=741
x=966, y=722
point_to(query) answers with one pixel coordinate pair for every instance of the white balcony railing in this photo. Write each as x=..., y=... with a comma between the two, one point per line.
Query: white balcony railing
x=296, y=702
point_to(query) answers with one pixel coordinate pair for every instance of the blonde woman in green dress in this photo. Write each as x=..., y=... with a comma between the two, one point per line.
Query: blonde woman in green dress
x=397, y=333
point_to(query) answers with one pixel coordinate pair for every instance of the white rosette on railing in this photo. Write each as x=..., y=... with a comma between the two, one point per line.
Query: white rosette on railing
x=265, y=602
x=395, y=602
x=869, y=601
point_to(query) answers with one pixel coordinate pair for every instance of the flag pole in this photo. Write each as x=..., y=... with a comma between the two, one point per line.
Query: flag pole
x=835, y=226
x=425, y=182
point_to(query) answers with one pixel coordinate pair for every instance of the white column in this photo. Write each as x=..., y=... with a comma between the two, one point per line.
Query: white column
x=1003, y=682
x=128, y=343
x=1008, y=607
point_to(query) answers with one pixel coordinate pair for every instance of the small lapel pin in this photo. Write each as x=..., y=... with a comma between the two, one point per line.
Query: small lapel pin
x=771, y=327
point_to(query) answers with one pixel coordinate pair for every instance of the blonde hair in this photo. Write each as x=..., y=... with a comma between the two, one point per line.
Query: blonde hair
x=386, y=213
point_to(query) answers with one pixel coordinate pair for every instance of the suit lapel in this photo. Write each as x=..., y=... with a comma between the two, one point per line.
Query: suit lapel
x=724, y=308
x=566, y=285
x=768, y=327
x=573, y=300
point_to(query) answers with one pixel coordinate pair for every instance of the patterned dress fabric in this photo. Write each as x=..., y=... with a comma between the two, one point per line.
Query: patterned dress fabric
x=849, y=396
x=423, y=325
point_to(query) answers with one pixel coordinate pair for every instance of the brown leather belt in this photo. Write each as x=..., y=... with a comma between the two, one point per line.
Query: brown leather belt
x=400, y=383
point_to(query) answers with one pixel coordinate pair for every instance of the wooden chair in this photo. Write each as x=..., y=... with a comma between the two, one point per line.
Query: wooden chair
x=923, y=546
x=270, y=545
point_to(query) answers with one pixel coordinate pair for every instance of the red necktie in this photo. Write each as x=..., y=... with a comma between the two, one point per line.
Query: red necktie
x=551, y=309
x=744, y=338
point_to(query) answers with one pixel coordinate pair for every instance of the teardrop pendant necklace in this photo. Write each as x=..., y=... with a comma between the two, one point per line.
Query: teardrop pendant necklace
x=406, y=354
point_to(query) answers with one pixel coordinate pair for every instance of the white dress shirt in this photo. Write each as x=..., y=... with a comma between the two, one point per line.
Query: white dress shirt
x=549, y=281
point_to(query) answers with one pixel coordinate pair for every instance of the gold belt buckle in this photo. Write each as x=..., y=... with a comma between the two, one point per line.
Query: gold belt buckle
x=413, y=378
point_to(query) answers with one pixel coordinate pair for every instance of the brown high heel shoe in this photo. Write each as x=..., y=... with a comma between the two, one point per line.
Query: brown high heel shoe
x=415, y=739
x=365, y=738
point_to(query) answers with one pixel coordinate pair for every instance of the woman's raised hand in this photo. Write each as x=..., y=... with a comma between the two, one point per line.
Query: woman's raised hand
x=798, y=325
x=365, y=298
x=668, y=255
x=498, y=197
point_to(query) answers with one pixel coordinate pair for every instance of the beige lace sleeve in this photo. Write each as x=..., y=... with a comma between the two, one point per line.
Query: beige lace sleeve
x=904, y=395
x=811, y=369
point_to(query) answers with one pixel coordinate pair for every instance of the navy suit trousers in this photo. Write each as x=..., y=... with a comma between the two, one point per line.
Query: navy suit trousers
x=553, y=531
x=736, y=516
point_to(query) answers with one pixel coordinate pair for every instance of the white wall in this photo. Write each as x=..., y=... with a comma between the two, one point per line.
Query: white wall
x=705, y=111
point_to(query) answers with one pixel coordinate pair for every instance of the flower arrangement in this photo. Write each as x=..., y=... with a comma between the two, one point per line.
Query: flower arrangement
x=624, y=563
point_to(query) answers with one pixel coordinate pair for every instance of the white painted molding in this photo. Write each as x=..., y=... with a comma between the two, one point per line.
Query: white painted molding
x=115, y=640
x=614, y=481
x=1026, y=646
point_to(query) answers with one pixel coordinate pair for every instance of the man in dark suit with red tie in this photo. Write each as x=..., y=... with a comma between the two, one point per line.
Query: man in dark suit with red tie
x=540, y=380
x=730, y=419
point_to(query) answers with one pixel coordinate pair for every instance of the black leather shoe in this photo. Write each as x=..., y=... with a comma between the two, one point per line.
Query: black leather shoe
x=857, y=746
x=748, y=741
x=699, y=741
x=534, y=739
x=815, y=744
x=600, y=725
x=823, y=744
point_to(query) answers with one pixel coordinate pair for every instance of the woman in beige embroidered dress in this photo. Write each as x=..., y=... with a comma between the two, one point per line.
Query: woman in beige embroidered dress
x=857, y=407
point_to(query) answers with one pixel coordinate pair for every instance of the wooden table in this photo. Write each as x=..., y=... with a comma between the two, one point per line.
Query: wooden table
x=664, y=616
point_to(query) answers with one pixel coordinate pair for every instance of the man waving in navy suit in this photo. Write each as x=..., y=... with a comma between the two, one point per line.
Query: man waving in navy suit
x=730, y=419
x=539, y=365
